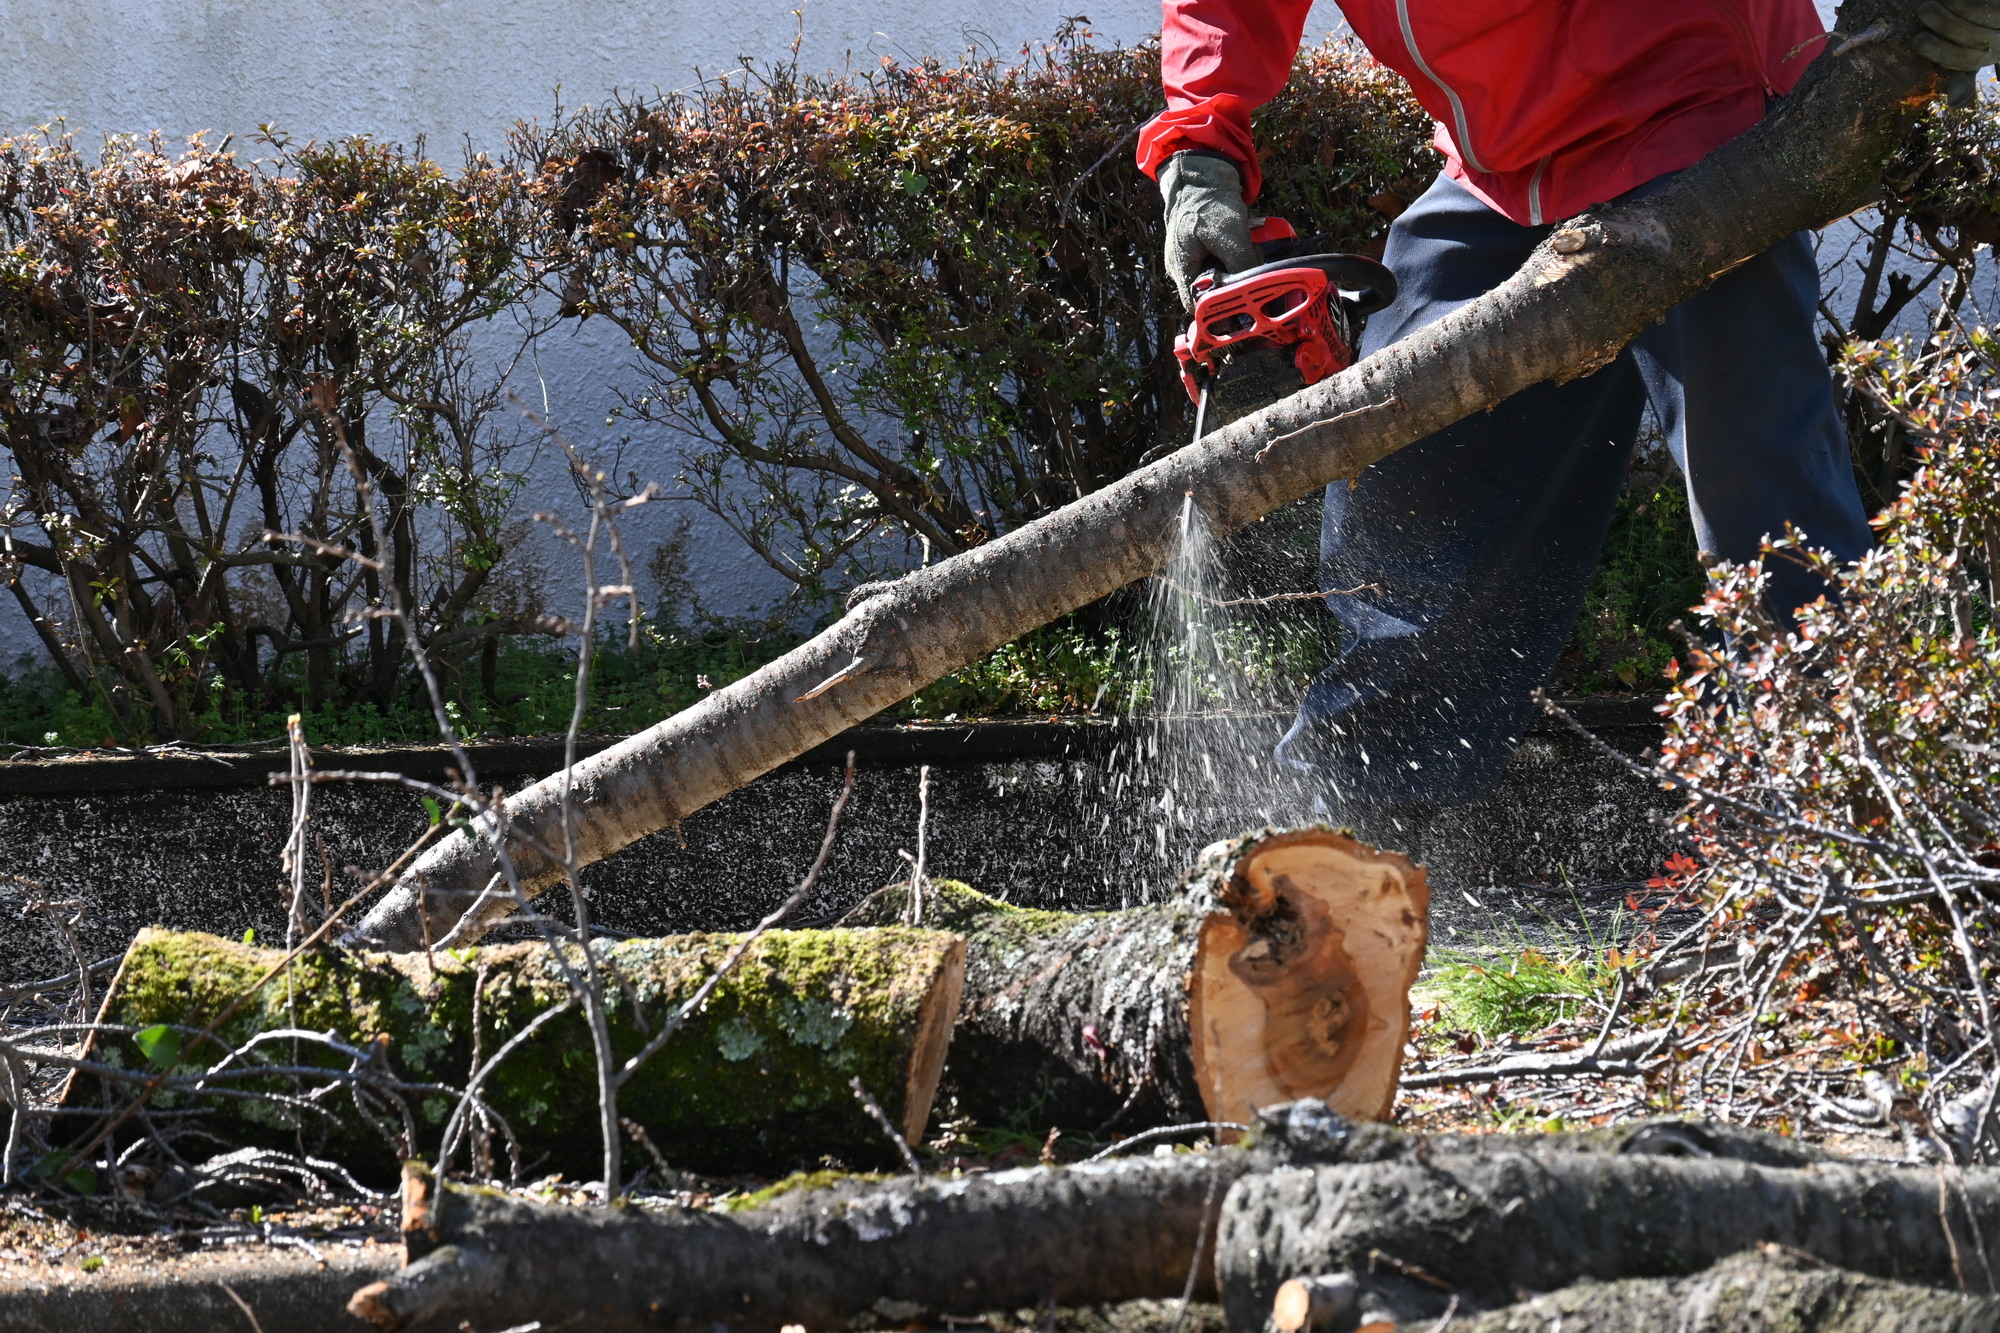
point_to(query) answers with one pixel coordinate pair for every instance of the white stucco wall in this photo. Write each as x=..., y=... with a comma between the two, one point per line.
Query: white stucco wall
x=449, y=68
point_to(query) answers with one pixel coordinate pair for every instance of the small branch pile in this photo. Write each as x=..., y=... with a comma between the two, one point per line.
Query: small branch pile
x=1844, y=800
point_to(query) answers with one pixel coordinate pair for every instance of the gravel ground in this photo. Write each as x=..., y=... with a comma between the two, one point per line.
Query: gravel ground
x=292, y=1269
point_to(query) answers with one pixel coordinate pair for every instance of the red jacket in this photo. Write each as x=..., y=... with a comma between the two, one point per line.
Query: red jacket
x=1544, y=107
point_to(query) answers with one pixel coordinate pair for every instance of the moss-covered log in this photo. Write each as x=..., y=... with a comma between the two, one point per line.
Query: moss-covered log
x=757, y=1080
x=1280, y=970
x=1767, y=1290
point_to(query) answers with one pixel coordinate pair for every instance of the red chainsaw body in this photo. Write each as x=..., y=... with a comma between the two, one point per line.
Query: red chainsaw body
x=1296, y=306
x=1292, y=307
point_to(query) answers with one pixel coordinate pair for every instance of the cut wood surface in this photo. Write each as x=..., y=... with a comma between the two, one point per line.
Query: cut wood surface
x=1302, y=988
x=1768, y=1290
x=758, y=1080
x=1580, y=298
x=910, y=1249
x=1281, y=970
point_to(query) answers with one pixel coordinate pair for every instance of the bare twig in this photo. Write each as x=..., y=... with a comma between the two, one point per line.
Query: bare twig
x=17, y=1112
x=881, y=1117
x=914, y=912
x=65, y=917
x=455, y=1127
x=294, y=858
x=1527, y=1067
x=1163, y=1132
x=1208, y=1210
x=645, y=1140
x=242, y=1305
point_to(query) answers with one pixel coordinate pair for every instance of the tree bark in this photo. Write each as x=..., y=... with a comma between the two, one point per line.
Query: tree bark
x=820, y=1258
x=1281, y=970
x=1585, y=292
x=757, y=1080
x=1768, y=1290
x=904, y=1249
x=1489, y=1225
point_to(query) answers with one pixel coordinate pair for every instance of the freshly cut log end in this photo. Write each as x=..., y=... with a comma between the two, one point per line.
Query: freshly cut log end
x=1301, y=986
x=937, y=1015
x=1280, y=970
x=757, y=1080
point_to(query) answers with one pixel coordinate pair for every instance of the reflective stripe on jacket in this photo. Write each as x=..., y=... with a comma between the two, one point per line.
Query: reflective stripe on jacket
x=1544, y=107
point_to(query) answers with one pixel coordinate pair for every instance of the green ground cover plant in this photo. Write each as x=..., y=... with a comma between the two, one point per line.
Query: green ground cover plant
x=1515, y=994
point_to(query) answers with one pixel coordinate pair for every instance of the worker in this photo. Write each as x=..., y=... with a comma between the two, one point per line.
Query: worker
x=1473, y=547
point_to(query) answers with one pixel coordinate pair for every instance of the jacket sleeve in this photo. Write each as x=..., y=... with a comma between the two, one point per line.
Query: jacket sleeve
x=1219, y=61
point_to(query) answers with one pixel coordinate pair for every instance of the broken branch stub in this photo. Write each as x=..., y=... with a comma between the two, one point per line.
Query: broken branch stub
x=1281, y=970
x=1817, y=156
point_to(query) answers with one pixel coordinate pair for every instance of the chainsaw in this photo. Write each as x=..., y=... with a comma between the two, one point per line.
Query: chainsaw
x=1261, y=335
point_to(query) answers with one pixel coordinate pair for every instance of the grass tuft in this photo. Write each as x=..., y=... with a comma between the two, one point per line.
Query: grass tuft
x=1519, y=995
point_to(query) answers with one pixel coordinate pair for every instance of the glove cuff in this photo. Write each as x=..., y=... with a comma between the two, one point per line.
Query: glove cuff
x=1200, y=169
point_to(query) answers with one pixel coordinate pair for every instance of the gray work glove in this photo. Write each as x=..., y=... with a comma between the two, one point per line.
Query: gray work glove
x=1963, y=36
x=1207, y=221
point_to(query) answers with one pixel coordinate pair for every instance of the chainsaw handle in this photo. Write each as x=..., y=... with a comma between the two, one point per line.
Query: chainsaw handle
x=1354, y=273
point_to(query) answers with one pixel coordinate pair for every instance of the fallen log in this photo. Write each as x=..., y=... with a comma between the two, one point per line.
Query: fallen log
x=894, y=1250
x=1112, y=1231
x=757, y=1080
x=1281, y=970
x=1588, y=290
x=291, y=1289
x=1487, y=1226
x=1767, y=1290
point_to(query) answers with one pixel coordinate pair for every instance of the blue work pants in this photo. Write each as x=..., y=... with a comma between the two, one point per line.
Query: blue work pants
x=1478, y=543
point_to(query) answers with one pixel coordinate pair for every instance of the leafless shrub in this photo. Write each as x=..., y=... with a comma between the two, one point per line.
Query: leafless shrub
x=181, y=332
x=1844, y=801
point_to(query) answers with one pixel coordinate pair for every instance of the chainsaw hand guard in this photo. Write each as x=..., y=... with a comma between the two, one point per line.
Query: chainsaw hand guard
x=1294, y=307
